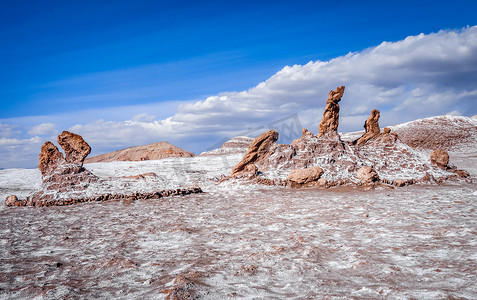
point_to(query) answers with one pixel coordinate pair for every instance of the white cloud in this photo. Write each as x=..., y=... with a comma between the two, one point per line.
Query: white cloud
x=416, y=77
x=8, y=130
x=43, y=129
x=19, y=153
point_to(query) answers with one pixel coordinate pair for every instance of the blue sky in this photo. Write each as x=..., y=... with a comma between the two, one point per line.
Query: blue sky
x=66, y=55
x=76, y=64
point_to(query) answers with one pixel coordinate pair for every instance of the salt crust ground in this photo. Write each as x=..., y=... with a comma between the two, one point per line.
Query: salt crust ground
x=244, y=241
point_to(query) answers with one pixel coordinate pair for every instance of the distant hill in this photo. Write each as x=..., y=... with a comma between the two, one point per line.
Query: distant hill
x=140, y=153
x=238, y=144
x=451, y=133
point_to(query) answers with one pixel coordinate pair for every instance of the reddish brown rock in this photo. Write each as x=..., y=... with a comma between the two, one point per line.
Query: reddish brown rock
x=462, y=173
x=440, y=158
x=371, y=127
x=257, y=150
x=329, y=122
x=76, y=149
x=306, y=132
x=11, y=200
x=62, y=175
x=367, y=175
x=303, y=176
x=386, y=130
x=322, y=182
x=50, y=157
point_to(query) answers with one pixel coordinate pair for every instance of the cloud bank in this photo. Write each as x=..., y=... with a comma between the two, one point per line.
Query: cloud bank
x=417, y=77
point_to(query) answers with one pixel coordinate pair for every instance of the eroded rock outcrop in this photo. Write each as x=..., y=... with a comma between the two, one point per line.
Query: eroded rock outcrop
x=60, y=174
x=50, y=158
x=330, y=120
x=76, y=149
x=258, y=150
x=371, y=127
x=342, y=159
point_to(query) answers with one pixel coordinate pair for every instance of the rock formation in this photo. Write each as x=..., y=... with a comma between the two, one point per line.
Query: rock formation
x=49, y=159
x=367, y=175
x=76, y=149
x=257, y=150
x=341, y=160
x=153, y=151
x=304, y=176
x=329, y=122
x=371, y=127
x=440, y=158
x=63, y=175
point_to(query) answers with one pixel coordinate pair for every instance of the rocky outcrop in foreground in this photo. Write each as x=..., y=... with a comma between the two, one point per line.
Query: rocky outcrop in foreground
x=375, y=158
x=63, y=174
x=154, y=151
x=66, y=181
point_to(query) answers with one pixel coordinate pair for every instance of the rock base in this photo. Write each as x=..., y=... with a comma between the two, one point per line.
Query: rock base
x=99, y=198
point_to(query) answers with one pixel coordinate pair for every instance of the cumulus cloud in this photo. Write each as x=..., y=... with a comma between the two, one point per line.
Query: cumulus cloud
x=43, y=129
x=7, y=130
x=417, y=77
x=19, y=153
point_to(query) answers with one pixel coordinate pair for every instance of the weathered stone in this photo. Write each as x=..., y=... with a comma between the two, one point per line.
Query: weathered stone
x=399, y=182
x=303, y=176
x=371, y=127
x=440, y=158
x=257, y=150
x=367, y=175
x=50, y=157
x=11, y=200
x=322, y=182
x=330, y=120
x=76, y=149
x=386, y=130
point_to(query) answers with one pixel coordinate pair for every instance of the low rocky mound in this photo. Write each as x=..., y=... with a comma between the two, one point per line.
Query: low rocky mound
x=140, y=153
x=449, y=133
x=238, y=144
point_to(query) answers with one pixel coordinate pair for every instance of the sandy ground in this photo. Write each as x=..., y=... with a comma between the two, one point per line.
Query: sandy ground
x=243, y=241
x=413, y=242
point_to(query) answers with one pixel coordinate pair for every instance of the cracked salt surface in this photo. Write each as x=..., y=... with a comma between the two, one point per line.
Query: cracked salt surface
x=245, y=241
